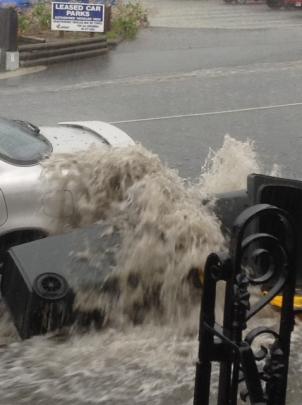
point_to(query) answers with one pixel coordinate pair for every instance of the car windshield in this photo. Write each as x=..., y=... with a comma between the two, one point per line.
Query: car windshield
x=22, y=144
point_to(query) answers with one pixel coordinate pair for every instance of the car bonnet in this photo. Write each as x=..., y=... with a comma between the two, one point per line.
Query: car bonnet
x=66, y=139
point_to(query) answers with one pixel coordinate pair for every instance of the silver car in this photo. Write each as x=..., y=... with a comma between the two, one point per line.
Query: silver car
x=24, y=213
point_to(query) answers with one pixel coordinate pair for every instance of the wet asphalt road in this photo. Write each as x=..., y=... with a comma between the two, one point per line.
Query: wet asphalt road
x=179, y=91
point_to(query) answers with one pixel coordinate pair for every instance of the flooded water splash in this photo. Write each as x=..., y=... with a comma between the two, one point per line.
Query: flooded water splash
x=227, y=168
x=148, y=350
x=166, y=231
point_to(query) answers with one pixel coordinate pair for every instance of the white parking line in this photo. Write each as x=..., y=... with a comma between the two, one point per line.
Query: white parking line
x=210, y=113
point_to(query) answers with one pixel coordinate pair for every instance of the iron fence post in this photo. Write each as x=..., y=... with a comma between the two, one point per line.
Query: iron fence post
x=230, y=345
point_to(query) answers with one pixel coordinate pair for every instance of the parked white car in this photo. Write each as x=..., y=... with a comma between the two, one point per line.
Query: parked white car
x=24, y=212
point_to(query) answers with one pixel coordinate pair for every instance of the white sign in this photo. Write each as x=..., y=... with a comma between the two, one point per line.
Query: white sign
x=86, y=17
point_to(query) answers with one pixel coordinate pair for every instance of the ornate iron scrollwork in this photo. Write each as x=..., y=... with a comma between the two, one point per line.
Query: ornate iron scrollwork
x=262, y=253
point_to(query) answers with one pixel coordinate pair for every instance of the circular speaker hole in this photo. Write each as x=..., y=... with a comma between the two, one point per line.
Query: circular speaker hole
x=50, y=286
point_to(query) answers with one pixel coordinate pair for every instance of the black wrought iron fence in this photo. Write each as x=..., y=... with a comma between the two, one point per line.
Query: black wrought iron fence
x=259, y=256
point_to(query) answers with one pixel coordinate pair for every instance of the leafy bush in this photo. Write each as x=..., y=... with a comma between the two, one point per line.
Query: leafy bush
x=24, y=23
x=42, y=15
x=36, y=20
x=127, y=19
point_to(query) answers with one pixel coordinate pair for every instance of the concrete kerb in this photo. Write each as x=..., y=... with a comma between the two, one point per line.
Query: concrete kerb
x=112, y=43
x=21, y=72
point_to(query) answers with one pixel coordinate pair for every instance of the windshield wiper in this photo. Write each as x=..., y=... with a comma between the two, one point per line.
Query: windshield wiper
x=28, y=125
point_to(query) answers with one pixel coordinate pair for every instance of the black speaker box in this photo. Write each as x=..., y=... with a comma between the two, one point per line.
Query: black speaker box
x=40, y=278
x=282, y=193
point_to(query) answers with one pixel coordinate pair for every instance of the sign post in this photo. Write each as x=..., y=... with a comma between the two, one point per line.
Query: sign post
x=9, y=55
x=77, y=17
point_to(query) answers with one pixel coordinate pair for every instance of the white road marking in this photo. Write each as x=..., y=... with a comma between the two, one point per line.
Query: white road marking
x=210, y=113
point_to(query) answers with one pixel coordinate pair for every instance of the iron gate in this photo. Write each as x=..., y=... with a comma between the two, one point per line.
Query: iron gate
x=259, y=256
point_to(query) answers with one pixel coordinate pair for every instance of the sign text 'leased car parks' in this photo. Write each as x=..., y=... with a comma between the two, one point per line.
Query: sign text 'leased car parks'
x=67, y=16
